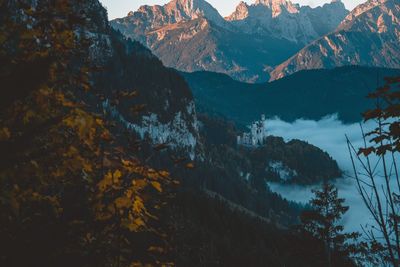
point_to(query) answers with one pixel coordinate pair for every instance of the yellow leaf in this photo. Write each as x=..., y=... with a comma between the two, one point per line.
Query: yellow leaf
x=107, y=181
x=155, y=249
x=138, y=205
x=136, y=225
x=117, y=174
x=136, y=264
x=63, y=101
x=190, y=166
x=87, y=166
x=129, y=193
x=122, y=202
x=157, y=186
x=126, y=162
x=164, y=173
x=139, y=184
x=99, y=122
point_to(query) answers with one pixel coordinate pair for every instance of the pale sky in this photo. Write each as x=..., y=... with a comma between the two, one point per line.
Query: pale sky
x=120, y=8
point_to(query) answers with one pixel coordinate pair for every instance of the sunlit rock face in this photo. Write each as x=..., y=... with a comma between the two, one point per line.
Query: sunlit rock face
x=283, y=19
x=368, y=36
x=193, y=36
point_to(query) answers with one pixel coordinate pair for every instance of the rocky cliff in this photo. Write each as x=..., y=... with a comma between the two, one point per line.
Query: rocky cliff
x=368, y=36
x=192, y=36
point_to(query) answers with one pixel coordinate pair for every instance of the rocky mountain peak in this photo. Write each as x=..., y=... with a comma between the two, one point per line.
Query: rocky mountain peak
x=241, y=12
x=285, y=20
x=193, y=9
x=264, y=8
x=368, y=36
x=190, y=35
x=361, y=9
x=279, y=6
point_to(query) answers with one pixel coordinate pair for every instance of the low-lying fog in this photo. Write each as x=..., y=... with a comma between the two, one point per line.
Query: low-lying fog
x=329, y=135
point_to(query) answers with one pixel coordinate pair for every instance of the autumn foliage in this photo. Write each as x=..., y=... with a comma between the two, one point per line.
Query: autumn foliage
x=71, y=194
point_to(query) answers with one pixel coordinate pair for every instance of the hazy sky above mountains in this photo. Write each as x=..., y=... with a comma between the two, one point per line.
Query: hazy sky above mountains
x=120, y=8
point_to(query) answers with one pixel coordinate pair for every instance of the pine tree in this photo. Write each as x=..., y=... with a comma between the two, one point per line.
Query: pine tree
x=322, y=222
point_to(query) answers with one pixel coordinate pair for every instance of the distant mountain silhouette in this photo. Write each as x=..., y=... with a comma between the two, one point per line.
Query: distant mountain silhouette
x=307, y=94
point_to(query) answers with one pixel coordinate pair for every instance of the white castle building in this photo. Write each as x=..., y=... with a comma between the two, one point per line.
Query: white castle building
x=256, y=136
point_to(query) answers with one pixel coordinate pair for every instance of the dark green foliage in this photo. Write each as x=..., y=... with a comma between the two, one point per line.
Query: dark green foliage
x=132, y=67
x=239, y=174
x=223, y=171
x=50, y=201
x=307, y=94
x=323, y=223
x=312, y=165
x=208, y=233
x=217, y=131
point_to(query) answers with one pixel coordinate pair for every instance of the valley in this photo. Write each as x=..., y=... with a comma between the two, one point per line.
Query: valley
x=174, y=136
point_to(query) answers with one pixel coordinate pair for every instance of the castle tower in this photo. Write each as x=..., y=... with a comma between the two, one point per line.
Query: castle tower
x=257, y=134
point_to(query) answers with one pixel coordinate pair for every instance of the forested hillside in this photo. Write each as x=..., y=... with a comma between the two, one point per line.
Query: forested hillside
x=104, y=162
x=307, y=94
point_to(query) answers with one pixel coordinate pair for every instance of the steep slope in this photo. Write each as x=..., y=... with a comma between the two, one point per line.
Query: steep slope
x=73, y=182
x=283, y=19
x=149, y=18
x=220, y=235
x=368, y=36
x=127, y=67
x=55, y=56
x=192, y=36
x=201, y=45
x=309, y=94
x=169, y=114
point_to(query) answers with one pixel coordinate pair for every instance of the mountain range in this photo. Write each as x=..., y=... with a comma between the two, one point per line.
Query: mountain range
x=368, y=36
x=268, y=39
x=190, y=35
x=99, y=125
